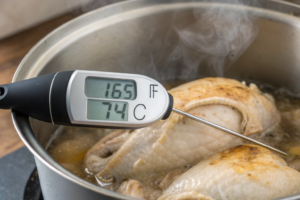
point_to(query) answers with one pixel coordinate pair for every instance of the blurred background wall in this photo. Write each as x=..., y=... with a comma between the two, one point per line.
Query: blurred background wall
x=18, y=15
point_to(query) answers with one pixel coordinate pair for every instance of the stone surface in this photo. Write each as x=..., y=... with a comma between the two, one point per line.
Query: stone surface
x=15, y=171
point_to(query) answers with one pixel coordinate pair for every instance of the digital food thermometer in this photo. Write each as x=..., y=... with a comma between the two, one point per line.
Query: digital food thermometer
x=93, y=98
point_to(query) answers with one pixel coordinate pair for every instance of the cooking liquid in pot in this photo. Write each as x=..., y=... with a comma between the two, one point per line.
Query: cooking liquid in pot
x=71, y=143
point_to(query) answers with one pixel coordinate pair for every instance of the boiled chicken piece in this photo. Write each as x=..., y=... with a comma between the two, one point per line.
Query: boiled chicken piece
x=242, y=172
x=187, y=196
x=131, y=188
x=295, y=164
x=165, y=181
x=179, y=141
x=101, y=153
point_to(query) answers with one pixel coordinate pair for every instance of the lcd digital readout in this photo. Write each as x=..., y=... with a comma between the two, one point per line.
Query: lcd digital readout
x=110, y=88
x=107, y=110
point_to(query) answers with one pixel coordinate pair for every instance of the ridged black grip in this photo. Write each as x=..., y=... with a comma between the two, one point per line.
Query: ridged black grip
x=59, y=98
x=30, y=97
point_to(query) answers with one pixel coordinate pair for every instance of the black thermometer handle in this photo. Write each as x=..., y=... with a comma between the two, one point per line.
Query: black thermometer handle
x=35, y=97
x=44, y=98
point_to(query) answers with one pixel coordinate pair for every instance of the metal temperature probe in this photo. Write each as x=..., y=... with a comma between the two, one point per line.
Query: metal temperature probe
x=93, y=98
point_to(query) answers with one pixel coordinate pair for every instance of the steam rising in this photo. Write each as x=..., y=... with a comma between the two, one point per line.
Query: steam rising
x=197, y=43
x=213, y=42
x=201, y=42
x=216, y=40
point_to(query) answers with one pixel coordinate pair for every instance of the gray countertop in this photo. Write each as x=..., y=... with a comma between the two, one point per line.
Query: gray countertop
x=15, y=169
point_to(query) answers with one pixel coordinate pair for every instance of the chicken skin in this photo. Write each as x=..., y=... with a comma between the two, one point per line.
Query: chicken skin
x=179, y=141
x=242, y=172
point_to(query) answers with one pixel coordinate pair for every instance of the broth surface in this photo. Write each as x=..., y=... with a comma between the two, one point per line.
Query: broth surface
x=71, y=143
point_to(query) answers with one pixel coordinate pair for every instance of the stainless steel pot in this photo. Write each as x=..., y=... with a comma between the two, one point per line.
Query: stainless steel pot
x=135, y=36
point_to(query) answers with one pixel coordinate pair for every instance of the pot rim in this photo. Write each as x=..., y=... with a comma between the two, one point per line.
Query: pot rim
x=28, y=137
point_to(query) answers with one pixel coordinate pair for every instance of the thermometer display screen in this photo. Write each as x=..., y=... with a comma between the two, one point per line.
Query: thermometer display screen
x=110, y=88
x=107, y=110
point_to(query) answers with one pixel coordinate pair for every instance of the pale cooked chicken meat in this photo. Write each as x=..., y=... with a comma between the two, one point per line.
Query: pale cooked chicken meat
x=179, y=141
x=166, y=180
x=131, y=188
x=242, y=172
x=187, y=196
x=101, y=153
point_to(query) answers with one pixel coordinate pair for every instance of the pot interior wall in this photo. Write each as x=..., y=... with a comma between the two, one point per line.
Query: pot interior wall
x=143, y=42
x=145, y=45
